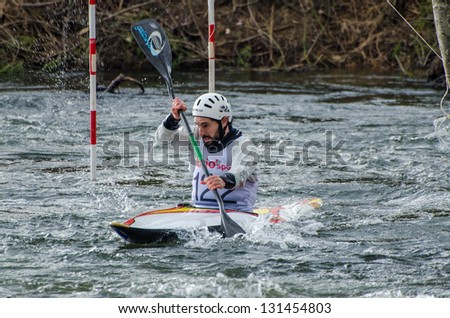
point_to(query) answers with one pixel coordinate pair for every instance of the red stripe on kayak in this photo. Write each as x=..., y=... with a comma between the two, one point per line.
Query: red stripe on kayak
x=168, y=211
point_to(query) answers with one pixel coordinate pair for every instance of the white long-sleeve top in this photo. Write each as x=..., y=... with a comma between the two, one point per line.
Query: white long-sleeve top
x=241, y=163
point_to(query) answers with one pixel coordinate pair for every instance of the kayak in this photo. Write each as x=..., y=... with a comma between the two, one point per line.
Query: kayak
x=171, y=223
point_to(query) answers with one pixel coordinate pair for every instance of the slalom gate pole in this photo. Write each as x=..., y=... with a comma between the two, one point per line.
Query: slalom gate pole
x=211, y=51
x=93, y=86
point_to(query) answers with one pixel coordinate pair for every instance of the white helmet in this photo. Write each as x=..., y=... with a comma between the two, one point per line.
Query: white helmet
x=212, y=105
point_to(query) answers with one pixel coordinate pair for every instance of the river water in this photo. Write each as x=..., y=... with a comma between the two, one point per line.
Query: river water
x=364, y=143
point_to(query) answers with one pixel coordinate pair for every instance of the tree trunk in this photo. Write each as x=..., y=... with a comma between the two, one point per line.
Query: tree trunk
x=441, y=11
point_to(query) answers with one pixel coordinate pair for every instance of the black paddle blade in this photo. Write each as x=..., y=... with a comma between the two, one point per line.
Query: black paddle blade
x=228, y=227
x=153, y=41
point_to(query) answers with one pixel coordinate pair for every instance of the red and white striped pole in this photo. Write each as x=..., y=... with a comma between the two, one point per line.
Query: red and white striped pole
x=211, y=52
x=93, y=86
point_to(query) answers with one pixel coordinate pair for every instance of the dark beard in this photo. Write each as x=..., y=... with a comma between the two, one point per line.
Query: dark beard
x=214, y=146
x=217, y=145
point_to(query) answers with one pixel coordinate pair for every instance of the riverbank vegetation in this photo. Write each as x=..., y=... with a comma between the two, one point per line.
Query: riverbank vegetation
x=290, y=35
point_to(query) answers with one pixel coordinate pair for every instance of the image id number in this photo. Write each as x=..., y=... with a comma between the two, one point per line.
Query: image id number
x=294, y=308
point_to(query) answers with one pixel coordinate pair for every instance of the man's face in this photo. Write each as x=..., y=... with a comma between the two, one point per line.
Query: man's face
x=208, y=129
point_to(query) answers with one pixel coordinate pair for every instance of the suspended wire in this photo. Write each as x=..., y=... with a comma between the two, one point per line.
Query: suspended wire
x=418, y=34
x=440, y=130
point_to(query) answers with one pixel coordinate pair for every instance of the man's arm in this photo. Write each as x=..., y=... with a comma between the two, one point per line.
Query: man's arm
x=243, y=167
x=170, y=131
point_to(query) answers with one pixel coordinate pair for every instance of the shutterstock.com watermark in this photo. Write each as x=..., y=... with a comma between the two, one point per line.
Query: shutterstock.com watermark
x=323, y=151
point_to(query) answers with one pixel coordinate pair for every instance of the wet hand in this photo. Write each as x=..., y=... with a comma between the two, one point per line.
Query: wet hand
x=214, y=182
x=177, y=106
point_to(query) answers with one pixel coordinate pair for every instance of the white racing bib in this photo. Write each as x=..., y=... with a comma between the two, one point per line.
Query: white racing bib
x=219, y=163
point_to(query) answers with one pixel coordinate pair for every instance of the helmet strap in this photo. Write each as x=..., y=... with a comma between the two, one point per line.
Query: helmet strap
x=222, y=129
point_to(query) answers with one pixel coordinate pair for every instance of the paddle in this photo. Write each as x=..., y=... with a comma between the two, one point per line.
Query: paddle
x=153, y=42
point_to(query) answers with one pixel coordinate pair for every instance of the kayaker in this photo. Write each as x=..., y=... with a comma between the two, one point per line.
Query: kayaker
x=231, y=157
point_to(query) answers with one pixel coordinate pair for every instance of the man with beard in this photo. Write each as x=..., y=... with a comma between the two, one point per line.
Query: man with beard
x=231, y=158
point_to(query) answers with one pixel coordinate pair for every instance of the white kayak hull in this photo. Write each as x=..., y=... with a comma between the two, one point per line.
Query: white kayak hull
x=170, y=223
